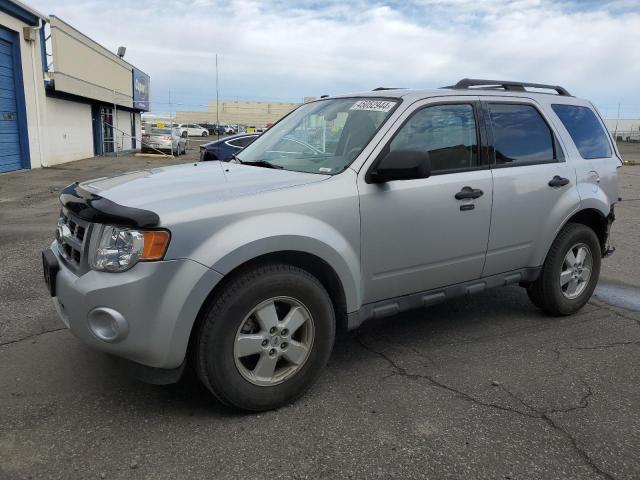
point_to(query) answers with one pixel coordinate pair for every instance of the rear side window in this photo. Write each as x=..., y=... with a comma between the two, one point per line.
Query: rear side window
x=244, y=141
x=585, y=130
x=447, y=132
x=520, y=135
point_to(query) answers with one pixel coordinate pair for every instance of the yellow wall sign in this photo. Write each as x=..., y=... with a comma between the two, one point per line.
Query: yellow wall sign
x=160, y=125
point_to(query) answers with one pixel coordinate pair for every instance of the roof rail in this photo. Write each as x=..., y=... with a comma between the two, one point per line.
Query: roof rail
x=507, y=85
x=377, y=89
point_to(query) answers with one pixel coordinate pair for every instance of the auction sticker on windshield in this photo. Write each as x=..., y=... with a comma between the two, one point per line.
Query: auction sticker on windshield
x=373, y=105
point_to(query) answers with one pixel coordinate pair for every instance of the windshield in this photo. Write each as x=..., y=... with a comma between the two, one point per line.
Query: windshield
x=320, y=137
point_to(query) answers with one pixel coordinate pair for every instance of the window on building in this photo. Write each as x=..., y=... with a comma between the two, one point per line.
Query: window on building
x=447, y=132
x=585, y=130
x=521, y=136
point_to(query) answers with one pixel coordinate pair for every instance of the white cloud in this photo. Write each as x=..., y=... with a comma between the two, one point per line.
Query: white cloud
x=281, y=50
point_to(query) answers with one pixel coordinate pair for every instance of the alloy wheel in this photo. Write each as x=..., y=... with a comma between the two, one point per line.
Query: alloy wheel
x=274, y=341
x=576, y=271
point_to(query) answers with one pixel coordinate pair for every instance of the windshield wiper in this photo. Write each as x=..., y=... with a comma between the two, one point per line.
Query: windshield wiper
x=261, y=163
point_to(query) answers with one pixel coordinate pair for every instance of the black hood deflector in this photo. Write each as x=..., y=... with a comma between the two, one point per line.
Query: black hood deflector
x=96, y=209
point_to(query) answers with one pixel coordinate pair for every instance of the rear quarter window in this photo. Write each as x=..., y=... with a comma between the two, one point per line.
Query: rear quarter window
x=585, y=130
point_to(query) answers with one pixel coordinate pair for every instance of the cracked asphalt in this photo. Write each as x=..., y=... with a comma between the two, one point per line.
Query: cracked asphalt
x=484, y=386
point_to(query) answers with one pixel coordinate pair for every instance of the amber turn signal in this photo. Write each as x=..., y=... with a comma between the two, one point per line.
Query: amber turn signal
x=155, y=244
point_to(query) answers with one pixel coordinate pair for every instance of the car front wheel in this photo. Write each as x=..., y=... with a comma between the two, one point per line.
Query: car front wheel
x=570, y=272
x=265, y=338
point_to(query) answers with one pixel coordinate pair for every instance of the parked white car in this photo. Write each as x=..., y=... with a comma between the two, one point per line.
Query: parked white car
x=192, y=130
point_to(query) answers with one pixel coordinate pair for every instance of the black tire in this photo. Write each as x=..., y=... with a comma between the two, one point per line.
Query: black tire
x=205, y=134
x=214, y=342
x=184, y=134
x=546, y=292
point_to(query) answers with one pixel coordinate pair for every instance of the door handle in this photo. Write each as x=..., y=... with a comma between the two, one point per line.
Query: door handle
x=558, y=181
x=468, y=193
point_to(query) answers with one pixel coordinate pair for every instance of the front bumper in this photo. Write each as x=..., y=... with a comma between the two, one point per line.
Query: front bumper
x=158, y=302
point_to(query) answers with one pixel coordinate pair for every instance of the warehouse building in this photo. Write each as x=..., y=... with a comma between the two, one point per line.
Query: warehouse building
x=63, y=96
x=624, y=129
x=239, y=112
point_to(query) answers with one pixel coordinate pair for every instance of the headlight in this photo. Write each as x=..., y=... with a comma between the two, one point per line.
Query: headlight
x=116, y=249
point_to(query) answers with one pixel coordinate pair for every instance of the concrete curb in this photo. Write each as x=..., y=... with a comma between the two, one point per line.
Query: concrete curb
x=153, y=155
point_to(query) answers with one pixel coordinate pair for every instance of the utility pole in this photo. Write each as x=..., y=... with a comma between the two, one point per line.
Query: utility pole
x=114, y=121
x=217, y=101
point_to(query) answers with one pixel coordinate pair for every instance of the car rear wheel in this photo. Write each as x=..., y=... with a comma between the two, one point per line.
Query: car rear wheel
x=570, y=272
x=265, y=338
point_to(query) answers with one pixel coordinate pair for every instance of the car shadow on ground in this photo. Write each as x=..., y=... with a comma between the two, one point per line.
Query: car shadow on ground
x=481, y=317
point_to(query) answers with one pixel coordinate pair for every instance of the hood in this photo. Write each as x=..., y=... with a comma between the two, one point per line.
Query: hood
x=185, y=186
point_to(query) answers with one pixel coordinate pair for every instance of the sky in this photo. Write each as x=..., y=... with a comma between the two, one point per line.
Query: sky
x=280, y=50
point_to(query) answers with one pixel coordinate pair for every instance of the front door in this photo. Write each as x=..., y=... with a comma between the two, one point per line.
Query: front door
x=106, y=120
x=416, y=235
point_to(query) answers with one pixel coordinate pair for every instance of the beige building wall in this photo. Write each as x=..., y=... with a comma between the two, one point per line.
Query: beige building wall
x=84, y=67
x=623, y=125
x=257, y=114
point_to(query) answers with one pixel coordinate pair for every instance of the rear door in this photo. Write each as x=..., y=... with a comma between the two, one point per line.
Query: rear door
x=534, y=187
x=416, y=235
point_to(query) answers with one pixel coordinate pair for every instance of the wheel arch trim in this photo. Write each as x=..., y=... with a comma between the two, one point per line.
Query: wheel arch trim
x=282, y=246
x=597, y=212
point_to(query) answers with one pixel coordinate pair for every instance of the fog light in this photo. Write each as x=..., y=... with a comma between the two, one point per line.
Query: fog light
x=107, y=324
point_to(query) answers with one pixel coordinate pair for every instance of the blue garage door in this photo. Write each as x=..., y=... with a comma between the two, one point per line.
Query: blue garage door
x=11, y=153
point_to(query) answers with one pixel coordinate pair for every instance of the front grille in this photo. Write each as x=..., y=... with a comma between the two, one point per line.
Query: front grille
x=72, y=239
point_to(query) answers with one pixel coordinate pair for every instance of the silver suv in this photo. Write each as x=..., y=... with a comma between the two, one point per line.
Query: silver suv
x=350, y=208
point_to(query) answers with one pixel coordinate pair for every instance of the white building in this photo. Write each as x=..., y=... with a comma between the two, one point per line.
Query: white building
x=63, y=96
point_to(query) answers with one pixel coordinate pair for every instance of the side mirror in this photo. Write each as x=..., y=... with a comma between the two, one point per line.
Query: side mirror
x=401, y=165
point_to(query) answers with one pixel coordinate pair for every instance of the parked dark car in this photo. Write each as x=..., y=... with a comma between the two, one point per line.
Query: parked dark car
x=214, y=129
x=225, y=148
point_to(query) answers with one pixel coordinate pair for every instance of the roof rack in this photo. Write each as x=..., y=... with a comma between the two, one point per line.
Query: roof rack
x=507, y=85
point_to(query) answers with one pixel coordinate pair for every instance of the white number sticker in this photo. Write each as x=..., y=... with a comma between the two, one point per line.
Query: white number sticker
x=373, y=105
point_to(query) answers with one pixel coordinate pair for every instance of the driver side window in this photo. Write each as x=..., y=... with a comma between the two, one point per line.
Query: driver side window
x=447, y=132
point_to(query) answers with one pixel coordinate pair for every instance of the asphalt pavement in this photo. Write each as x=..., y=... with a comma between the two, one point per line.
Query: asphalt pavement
x=484, y=386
